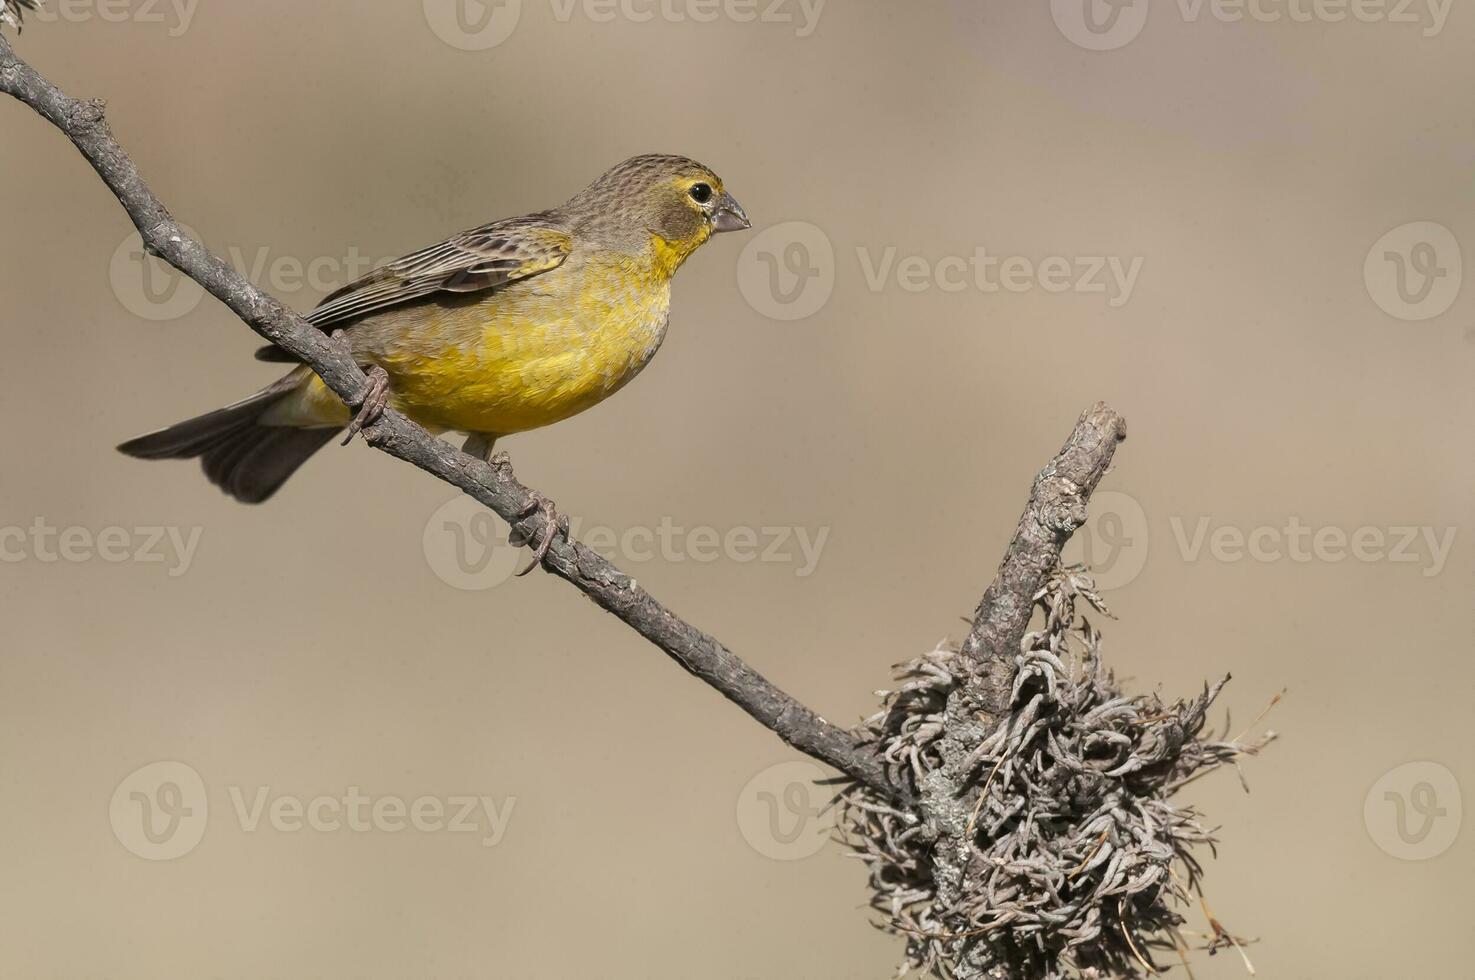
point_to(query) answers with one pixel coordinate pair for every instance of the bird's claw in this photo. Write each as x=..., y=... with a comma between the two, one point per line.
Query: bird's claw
x=375, y=395
x=371, y=404
x=555, y=523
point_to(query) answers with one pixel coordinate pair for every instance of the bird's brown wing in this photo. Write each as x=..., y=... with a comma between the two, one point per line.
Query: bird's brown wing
x=480, y=259
x=483, y=258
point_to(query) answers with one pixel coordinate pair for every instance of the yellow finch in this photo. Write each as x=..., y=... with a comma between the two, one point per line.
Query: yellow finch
x=514, y=325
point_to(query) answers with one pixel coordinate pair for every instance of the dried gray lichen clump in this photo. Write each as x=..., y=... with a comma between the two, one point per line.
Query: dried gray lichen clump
x=1078, y=861
x=12, y=12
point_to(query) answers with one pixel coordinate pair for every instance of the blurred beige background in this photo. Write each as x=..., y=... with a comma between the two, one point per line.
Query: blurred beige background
x=356, y=636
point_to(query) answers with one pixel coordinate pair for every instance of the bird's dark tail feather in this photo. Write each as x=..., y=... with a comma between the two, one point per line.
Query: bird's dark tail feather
x=246, y=459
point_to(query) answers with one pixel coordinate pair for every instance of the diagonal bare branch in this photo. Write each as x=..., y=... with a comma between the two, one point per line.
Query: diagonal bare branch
x=1056, y=507
x=494, y=486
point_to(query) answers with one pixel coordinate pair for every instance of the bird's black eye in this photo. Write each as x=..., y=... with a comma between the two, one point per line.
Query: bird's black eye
x=701, y=193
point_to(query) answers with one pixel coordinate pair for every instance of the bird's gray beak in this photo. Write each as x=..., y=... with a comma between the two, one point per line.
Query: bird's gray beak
x=729, y=215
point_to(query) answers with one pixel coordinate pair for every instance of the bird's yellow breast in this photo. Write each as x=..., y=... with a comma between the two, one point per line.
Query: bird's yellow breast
x=528, y=355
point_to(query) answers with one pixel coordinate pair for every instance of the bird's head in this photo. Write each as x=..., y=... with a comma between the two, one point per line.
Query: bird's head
x=672, y=203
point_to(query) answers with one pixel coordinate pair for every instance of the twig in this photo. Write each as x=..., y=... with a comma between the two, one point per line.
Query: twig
x=983, y=794
x=1127, y=935
x=1258, y=718
x=1057, y=507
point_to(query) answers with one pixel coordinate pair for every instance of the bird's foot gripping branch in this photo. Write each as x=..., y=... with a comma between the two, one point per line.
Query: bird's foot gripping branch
x=1012, y=804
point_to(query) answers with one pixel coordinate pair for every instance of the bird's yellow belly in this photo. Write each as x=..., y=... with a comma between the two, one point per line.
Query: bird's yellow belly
x=519, y=358
x=507, y=367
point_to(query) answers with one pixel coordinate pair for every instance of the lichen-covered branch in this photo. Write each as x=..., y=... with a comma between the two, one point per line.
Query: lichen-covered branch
x=1057, y=506
x=1045, y=843
x=1063, y=851
x=494, y=486
x=983, y=671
